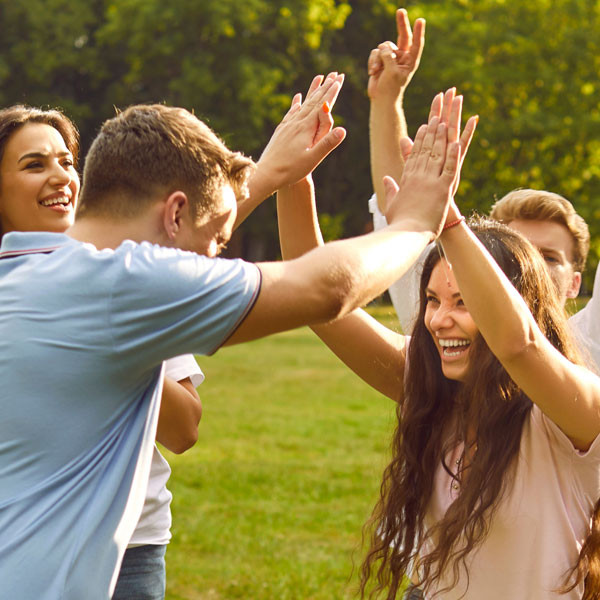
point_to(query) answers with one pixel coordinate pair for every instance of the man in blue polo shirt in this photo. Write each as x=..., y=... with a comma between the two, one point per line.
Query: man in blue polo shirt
x=84, y=331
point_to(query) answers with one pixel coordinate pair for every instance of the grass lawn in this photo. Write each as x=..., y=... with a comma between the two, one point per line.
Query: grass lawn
x=270, y=502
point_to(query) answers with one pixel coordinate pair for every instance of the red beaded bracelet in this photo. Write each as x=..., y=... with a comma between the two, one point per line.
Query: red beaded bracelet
x=453, y=223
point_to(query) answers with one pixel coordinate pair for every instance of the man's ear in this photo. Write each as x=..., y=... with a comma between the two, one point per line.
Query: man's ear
x=575, y=286
x=175, y=206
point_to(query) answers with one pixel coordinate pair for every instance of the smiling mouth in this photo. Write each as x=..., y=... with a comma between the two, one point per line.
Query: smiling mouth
x=59, y=201
x=456, y=347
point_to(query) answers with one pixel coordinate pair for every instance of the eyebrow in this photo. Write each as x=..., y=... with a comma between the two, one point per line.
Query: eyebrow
x=551, y=250
x=430, y=291
x=41, y=155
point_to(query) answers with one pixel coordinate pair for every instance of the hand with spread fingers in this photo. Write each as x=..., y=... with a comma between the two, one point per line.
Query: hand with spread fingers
x=304, y=137
x=425, y=189
x=448, y=108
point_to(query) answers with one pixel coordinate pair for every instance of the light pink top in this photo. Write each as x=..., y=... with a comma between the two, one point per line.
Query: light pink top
x=540, y=524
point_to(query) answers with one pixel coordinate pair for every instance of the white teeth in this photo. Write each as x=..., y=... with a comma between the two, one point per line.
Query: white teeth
x=60, y=200
x=452, y=343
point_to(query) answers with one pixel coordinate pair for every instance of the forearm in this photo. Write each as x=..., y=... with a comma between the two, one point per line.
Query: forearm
x=180, y=413
x=364, y=267
x=297, y=219
x=387, y=125
x=260, y=186
x=489, y=296
x=372, y=351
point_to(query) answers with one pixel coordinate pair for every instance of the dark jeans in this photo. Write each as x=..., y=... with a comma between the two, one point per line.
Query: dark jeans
x=413, y=593
x=142, y=575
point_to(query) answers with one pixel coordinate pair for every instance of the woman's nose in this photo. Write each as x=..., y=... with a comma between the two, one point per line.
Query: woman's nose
x=60, y=176
x=442, y=318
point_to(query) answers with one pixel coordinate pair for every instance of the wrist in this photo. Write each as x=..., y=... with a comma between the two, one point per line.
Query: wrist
x=263, y=182
x=453, y=223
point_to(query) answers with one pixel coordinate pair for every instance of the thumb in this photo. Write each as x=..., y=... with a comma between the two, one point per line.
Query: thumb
x=390, y=187
x=406, y=145
x=388, y=57
x=329, y=142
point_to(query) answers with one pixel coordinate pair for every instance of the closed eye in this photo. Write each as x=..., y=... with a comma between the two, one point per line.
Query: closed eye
x=36, y=164
x=551, y=260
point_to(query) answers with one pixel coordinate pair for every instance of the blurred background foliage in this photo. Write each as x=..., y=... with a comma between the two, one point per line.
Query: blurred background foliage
x=529, y=69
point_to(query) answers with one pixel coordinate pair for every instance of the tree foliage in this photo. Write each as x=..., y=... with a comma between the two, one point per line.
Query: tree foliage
x=528, y=69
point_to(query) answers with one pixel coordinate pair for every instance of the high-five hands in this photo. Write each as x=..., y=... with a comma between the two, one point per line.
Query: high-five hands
x=305, y=136
x=432, y=169
x=448, y=108
x=425, y=189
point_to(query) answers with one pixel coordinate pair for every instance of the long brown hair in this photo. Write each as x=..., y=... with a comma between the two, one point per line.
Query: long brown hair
x=435, y=409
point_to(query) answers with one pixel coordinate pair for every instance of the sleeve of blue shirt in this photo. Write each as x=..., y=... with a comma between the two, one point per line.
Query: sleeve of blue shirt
x=167, y=302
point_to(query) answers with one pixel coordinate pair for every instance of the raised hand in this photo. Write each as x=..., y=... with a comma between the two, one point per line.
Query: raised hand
x=447, y=107
x=305, y=136
x=391, y=66
x=425, y=189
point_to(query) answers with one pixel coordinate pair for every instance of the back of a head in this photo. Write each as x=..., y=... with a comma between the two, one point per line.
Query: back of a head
x=155, y=149
x=540, y=205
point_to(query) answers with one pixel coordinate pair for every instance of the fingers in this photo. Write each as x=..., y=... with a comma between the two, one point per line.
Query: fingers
x=451, y=164
x=327, y=91
x=427, y=147
x=331, y=95
x=390, y=187
x=403, y=29
x=314, y=84
x=436, y=107
x=438, y=150
x=467, y=136
x=454, y=119
x=325, y=123
x=447, y=104
x=388, y=53
x=418, y=43
x=413, y=163
x=374, y=64
x=406, y=146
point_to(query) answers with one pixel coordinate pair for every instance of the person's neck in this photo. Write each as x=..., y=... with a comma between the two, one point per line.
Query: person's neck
x=108, y=233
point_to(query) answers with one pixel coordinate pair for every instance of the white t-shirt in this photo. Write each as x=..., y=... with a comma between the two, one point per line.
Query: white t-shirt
x=154, y=526
x=404, y=293
x=586, y=325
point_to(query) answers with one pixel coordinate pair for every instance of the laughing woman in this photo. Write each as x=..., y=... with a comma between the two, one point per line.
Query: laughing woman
x=492, y=491
x=39, y=187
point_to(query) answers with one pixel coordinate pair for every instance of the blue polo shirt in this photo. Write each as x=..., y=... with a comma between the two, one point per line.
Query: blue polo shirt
x=83, y=334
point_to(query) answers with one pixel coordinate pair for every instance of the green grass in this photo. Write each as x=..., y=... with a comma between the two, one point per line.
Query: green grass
x=270, y=502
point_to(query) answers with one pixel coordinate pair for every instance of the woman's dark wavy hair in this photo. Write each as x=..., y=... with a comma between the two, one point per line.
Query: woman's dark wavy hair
x=486, y=403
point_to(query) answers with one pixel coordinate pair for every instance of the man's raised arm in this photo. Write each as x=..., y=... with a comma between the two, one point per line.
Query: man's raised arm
x=300, y=142
x=332, y=280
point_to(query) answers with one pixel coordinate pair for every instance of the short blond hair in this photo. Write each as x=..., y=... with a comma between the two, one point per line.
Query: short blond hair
x=539, y=205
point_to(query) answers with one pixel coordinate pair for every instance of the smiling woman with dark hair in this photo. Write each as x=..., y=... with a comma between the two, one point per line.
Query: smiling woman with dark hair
x=39, y=184
x=494, y=484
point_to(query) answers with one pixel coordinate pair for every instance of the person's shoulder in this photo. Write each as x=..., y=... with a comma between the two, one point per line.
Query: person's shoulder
x=17, y=243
